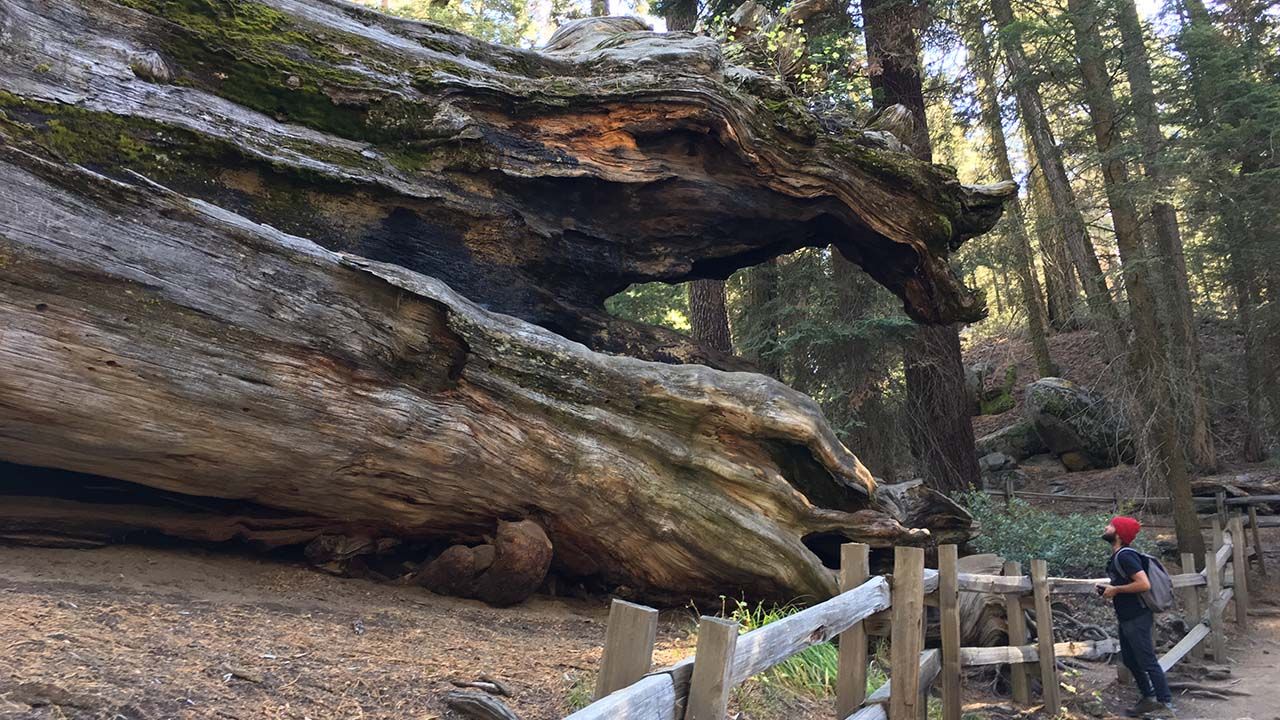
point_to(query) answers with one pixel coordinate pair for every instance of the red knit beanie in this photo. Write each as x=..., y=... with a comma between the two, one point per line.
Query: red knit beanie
x=1126, y=528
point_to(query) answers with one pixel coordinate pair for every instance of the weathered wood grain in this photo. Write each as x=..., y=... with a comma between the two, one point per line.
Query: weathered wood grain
x=537, y=183
x=971, y=657
x=628, y=646
x=851, y=677
x=1044, y=637
x=949, y=610
x=907, y=638
x=713, y=666
x=175, y=345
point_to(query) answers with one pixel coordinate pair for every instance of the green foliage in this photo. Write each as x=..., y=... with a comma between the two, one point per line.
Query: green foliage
x=811, y=671
x=1072, y=543
x=582, y=686
x=653, y=303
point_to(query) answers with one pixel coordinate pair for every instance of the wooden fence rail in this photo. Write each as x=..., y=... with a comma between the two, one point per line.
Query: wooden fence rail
x=699, y=687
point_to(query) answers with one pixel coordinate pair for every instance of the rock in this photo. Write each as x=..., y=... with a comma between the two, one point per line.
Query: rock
x=503, y=573
x=1019, y=441
x=452, y=573
x=992, y=462
x=1000, y=479
x=522, y=557
x=975, y=381
x=1080, y=427
x=150, y=66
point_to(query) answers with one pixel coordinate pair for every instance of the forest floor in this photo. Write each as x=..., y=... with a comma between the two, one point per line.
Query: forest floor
x=186, y=632
x=147, y=632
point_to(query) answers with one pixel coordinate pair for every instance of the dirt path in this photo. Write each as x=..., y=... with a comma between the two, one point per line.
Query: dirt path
x=1255, y=669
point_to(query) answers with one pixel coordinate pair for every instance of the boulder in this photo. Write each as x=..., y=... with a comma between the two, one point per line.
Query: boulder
x=1080, y=427
x=1019, y=441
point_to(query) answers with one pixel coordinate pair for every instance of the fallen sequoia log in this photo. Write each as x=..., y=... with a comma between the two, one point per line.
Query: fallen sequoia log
x=170, y=343
x=331, y=269
x=535, y=183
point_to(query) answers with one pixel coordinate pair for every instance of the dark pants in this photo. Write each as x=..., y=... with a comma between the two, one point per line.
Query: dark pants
x=1139, y=654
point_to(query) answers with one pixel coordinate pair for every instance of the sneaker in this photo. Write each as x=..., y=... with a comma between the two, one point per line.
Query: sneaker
x=1145, y=705
x=1149, y=707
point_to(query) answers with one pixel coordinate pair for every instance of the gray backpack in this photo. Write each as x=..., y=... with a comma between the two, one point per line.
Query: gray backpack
x=1160, y=597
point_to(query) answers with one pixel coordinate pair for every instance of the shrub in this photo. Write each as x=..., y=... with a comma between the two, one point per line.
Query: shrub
x=1071, y=543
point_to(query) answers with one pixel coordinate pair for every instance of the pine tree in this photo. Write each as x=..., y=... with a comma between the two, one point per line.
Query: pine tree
x=938, y=414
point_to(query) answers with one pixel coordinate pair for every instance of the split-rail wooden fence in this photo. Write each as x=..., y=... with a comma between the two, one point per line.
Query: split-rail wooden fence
x=699, y=687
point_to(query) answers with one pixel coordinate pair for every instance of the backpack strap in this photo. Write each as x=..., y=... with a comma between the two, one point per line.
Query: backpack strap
x=1142, y=558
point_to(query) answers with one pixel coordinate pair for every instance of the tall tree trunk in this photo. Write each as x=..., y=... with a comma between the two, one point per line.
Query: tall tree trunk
x=600, y=8
x=758, y=324
x=681, y=14
x=1106, y=319
x=1244, y=282
x=1170, y=270
x=708, y=316
x=1062, y=286
x=1162, y=446
x=1018, y=238
x=941, y=433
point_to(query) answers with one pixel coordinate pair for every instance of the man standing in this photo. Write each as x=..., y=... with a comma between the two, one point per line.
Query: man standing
x=1128, y=573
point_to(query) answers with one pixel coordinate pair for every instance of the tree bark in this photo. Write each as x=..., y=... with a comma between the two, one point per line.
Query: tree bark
x=170, y=343
x=1062, y=286
x=681, y=14
x=1019, y=240
x=942, y=436
x=708, y=317
x=1147, y=353
x=1106, y=318
x=411, y=144
x=758, y=325
x=1169, y=267
x=218, y=227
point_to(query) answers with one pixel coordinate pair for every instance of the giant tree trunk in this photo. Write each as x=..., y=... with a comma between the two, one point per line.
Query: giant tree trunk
x=219, y=226
x=1162, y=444
x=171, y=343
x=941, y=435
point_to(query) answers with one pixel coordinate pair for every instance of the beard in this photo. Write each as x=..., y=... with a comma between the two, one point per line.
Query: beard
x=1109, y=537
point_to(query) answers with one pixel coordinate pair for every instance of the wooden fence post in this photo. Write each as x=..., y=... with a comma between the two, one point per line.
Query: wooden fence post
x=1220, y=500
x=1214, y=586
x=1217, y=538
x=1257, y=540
x=1240, y=572
x=1044, y=633
x=949, y=608
x=712, y=679
x=628, y=646
x=1191, y=602
x=905, y=640
x=851, y=675
x=1008, y=489
x=1017, y=622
